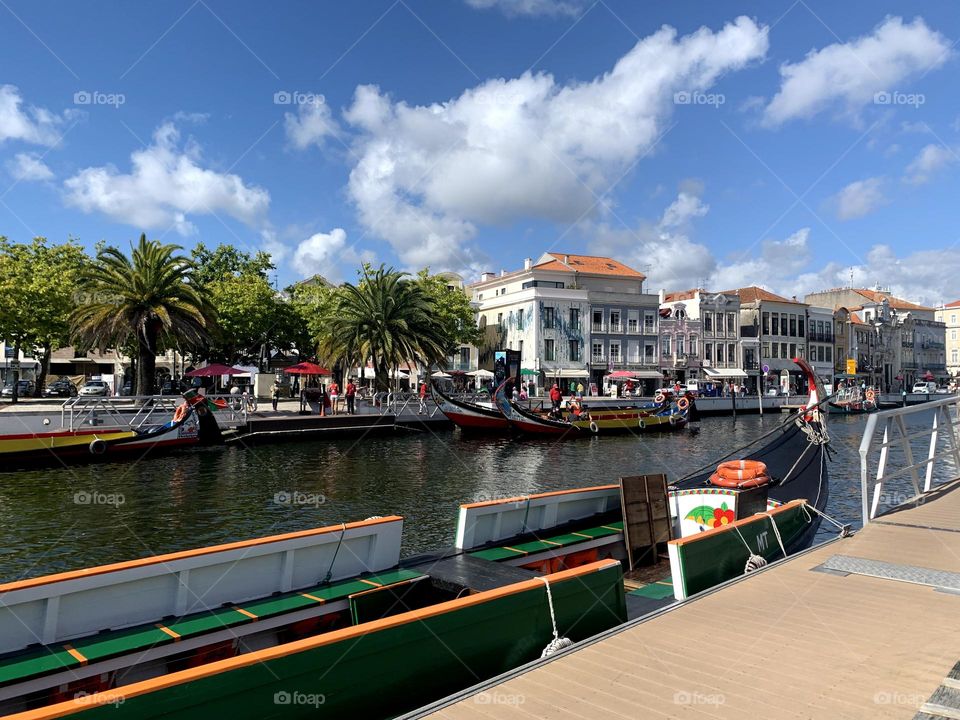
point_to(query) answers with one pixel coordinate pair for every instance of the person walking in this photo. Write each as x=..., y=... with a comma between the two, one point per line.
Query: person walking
x=334, y=396
x=351, y=395
x=275, y=393
x=423, y=398
x=555, y=397
x=579, y=391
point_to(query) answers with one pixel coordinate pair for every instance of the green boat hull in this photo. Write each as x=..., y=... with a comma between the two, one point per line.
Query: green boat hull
x=396, y=665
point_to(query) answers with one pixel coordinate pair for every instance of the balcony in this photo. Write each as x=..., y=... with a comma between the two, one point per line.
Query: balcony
x=597, y=327
x=598, y=359
x=616, y=327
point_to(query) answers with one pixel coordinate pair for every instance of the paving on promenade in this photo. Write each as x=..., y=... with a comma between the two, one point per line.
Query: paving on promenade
x=860, y=627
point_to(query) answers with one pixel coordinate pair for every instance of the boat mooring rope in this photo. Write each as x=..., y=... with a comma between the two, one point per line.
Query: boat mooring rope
x=845, y=530
x=558, y=643
x=343, y=531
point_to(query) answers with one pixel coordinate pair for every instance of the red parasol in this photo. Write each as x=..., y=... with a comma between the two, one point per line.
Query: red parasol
x=622, y=374
x=307, y=368
x=215, y=370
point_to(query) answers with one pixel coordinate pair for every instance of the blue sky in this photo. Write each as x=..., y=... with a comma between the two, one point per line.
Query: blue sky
x=779, y=143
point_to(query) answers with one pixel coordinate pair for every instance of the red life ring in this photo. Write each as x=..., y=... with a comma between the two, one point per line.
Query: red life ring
x=740, y=474
x=683, y=403
x=659, y=397
x=871, y=395
x=180, y=413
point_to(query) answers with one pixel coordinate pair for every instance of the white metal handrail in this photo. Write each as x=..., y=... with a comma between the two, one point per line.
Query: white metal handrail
x=398, y=403
x=90, y=410
x=946, y=422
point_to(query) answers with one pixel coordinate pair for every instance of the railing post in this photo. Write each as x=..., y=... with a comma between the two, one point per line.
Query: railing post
x=865, y=466
x=928, y=475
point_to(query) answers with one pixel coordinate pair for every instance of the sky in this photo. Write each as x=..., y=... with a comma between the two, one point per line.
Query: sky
x=796, y=145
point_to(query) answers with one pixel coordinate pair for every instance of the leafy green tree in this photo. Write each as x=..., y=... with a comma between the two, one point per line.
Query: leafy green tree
x=312, y=307
x=386, y=317
x=251, y=314
x=150, y=297
x=226, y=260
x=38, y=289
x=452, y=310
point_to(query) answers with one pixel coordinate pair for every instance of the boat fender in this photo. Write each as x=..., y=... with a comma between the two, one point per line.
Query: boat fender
x=593, y=427
x=659, y=397
x=641, y=423
x=674, y=419
x=98, y=446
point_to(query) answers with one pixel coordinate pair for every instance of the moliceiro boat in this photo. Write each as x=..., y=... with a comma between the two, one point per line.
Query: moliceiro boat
x=853, y=400
x=192, y=423
x=470, y=416
x=580, y=420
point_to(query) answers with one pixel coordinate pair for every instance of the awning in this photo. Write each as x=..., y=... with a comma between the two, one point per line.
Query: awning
x=647, y=375
x=566, y=373
x=724, y=373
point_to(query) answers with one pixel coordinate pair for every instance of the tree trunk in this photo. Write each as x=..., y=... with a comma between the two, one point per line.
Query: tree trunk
x=44, y=368
x=147, y=363
x=16, y=372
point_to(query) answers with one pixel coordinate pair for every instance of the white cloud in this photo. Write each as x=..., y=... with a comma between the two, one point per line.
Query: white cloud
x=930, y=159
x=27, y=167
x=327, y=254
x=311, y=125
x=860, y=198
x=33, y=125
x=525, y=147
x=534, y=7
x=850, y=74
x=165, y=186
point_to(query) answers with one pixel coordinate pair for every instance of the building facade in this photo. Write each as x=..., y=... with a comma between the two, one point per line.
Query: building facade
x=821, y=342
x=949, y=315
x=700, y=336
x=573, y=318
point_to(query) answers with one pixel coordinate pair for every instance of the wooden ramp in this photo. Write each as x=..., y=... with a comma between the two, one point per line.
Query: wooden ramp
x=877, y=638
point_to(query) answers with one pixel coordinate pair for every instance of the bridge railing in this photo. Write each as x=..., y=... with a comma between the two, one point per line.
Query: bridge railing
x=930, y=431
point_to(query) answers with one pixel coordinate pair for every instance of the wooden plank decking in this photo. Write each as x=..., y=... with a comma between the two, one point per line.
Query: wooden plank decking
x=789, y=642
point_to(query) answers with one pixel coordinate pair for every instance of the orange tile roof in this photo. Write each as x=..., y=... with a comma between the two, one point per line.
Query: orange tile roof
x=955, y=303
x=589, y=264
x=754, y=293
x=895, y=302
x=681, y=295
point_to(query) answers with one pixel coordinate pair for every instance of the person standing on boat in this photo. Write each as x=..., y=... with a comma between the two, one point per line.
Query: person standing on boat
x=555, y=397
x=275, y=393
x=351, y=393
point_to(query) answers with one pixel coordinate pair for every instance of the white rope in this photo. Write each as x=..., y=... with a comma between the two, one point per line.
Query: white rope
x=776, y=531
x=845, y=530
x=558, y=643
x=754, y=561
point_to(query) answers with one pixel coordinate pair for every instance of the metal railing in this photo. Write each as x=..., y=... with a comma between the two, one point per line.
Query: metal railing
x=400, y=402
x=131, y=411
x=897, y=437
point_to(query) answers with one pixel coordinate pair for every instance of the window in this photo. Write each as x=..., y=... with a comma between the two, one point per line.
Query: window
x=732, y=353
x=800, y=332
x=783, y=351
x=500, y=320
x=707, y=351
x=615, y=323
x=731, y=323
x=829, y=353
x=649, y=353
x=665, y=346
x=520, y=348
x=765, y=350
x=648, y=323
x=575, y=319
x=708, y=322
x=465, y=357
x=774, y=350
x=793, y=326
x=575, y=350
x=633, y=325
x=598, y=320
x=680, y=344
x=520, y=319
x=820, y=353
x=597, y=351
x=775, y=327
x=548, y=318
x=953, y=319
x=549, y=352
x=766, y=323
x=953, y=356
x=615, y=351
x=541, y=283
x=633, y=354
x=719, y=353
x=953, y=334
x=693, y=345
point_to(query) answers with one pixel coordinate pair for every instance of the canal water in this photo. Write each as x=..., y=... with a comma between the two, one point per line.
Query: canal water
x=60, y=519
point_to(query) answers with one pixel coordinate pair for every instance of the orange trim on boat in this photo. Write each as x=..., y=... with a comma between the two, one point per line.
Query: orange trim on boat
x=736, y=523
x=371, y=582
x=308, y=596
x=511, y=549
x=168, y=631
x=171, y=557
x=245, y=612
x=524, y=498
x=260, y=656
x=77, y=655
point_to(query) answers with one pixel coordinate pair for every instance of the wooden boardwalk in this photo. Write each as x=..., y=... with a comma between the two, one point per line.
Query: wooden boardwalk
x=788, y=642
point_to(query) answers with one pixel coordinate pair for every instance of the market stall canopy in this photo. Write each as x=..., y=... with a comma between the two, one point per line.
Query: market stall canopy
x=216, y=370
x=528, y=371
x=717, y=373
x=623, y=374
x=439, y=374
x=569, y=373
x=481, y=373
x=306, y=368
x=928, y=376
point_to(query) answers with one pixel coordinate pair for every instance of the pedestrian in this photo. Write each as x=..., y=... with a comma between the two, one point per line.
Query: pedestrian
x=351, y=393
x=334, y=396
x=275, y=393
x=579, y=391
x=423, y=397
x=324, y=401
x=555, y=397
x=531, y=388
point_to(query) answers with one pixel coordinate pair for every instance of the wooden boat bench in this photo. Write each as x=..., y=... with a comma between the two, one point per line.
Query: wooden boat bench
x=522, y=550
x=102, y=646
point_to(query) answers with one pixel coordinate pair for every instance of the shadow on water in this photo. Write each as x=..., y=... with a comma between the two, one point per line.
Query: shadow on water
x=59, y=519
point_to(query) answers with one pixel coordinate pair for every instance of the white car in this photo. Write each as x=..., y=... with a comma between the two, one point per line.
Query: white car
x=924, y=387
x=95, y=388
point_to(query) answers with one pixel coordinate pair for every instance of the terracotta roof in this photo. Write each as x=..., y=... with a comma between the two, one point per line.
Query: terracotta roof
x=590, y=264
x=754, y=293
x=855, y=319
x=681, y=295
x=895, y=302
x=955, y=303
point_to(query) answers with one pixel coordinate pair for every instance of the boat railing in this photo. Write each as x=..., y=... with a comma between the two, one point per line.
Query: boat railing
x=132, y=411
x=908, y=432
x=408, y=402
x=238, y=407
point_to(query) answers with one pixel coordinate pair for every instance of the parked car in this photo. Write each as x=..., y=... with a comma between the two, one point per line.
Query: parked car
x=94, y=388
x=61, y=387
x=924, y=387
x=25, y=388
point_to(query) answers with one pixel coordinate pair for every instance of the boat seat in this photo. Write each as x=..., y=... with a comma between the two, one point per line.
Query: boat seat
x=113, y=643
x=515, y=550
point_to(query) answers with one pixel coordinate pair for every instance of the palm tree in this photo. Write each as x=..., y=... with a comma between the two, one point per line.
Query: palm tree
x=147, y=300
x=387, y=318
